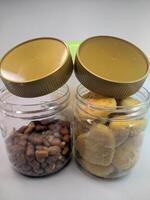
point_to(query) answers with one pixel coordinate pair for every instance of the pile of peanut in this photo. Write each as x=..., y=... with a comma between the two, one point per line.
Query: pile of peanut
x=41, y=147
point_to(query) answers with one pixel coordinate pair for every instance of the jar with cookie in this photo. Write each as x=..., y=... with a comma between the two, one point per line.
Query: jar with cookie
x=110, y=113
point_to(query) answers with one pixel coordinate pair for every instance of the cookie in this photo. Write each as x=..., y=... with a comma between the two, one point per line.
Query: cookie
x=127, y=154
x=103, y=135
x=81, y=127
x=129, y=101
x=92, y=95
x=98, y=170
x=100, y=102
x=96, y=146
x=82, y=113
x=137, y=126
x=122, y=128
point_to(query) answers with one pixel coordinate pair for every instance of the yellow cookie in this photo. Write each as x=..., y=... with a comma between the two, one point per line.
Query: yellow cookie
x=103, y=135
x=92, y=95
x=104, y=102
x=97, y=146
x=87, y=115
x=81, y=125
x=129, y=101
x=98, y=170
x=100, y=102
x=127, y=154
x=137, y=126
x=137, y=139
x=122, y=128
x=82, y=114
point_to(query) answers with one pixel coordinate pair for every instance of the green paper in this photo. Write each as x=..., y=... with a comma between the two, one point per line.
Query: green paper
x=73, y=46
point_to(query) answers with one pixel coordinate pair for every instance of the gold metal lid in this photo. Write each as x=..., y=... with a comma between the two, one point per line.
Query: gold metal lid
x=111, y=66
x=36, y=67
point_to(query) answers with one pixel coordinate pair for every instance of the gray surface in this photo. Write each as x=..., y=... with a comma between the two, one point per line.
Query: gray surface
x=21, y=20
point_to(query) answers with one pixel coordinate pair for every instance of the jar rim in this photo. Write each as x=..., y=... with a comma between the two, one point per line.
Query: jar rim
x=4, y=89
x=46, y=106
x=139, y=105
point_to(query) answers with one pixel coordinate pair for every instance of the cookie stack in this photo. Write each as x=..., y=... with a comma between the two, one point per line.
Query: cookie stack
x=109, y=144
x=111, y=105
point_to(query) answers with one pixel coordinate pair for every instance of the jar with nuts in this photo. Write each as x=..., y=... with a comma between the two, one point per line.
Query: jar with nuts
x=37, y=132
x=109, y=132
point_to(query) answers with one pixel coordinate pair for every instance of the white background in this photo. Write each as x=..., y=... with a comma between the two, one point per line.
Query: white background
x=72, y=20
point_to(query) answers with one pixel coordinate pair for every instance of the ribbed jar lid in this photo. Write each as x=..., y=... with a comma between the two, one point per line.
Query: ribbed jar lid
x=111, y=66
x=36, y=67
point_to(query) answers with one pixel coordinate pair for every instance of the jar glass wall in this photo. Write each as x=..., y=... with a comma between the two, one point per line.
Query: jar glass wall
x=37, y=131
x=109, y=132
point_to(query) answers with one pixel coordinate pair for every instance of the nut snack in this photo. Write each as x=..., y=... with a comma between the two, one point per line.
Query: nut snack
x=38, y=136
x=35, y=108
x=109, y=132
x=40, y=148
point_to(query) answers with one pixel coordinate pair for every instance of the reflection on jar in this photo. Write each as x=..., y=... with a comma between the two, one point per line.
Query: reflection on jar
x=38, y=135
x=109, y=132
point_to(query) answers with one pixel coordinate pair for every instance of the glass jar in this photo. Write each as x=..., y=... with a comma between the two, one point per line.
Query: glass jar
x=37, y=131
x=109, y=133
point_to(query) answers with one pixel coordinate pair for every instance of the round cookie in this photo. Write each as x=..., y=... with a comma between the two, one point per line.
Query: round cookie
x=98, y=170
x=137, y=139
x=122, y=128
x=127, y=154
x=81, y=125
x=137, y=126
x=100, y=102
x=82, y=113
x=92, y=95
x=103, y=135
x=96, y=146
x=129, y=101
